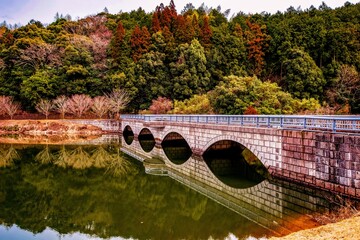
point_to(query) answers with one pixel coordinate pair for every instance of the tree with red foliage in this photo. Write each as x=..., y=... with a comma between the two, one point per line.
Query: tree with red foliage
x=7, y=38
x=250, y=110
x=2, y=31
x=166, y=17
x=257, y=42
x=140, y=42
x=205, y=33
x=161, y=105
x=172, y=9
x=155, y=24
x=180, y=29
x=120, y=32
x=184, y=31
x=173, y=14
x=118, y=40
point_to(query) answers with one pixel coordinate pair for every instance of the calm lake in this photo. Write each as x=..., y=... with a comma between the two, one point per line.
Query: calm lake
x=99, y=192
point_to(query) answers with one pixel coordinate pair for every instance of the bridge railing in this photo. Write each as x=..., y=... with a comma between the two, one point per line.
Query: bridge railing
x=329, y=123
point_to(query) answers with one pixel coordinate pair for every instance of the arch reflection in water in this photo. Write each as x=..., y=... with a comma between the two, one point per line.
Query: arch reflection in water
x=147, y=140
x=128, y=135
x=234, y=165
x=176, y=148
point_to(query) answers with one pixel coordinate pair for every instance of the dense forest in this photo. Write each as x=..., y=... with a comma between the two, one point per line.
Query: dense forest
x=199, y=60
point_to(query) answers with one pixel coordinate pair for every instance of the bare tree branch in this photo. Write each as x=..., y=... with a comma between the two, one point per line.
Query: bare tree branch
x=79, y=104
x=8, y=106
x=100, y=106
x=118, y=100
x=44, y=107
x=60, y=105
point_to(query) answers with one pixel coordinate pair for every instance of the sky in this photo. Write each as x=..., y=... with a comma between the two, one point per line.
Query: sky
x=22, y=11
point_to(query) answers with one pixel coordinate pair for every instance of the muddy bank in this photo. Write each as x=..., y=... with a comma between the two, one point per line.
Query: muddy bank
x=46, y=131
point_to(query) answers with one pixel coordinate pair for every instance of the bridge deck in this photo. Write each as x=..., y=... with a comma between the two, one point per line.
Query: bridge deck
x=325, y=123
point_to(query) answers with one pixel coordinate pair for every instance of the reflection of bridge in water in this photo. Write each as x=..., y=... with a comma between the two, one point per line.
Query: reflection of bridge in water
x=278, y=206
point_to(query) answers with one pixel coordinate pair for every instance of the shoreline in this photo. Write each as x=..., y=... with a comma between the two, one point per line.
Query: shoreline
x=47, y=127
x=47, y=132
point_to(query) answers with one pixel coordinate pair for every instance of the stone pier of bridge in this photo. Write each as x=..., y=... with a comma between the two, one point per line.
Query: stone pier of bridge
x=323, y=159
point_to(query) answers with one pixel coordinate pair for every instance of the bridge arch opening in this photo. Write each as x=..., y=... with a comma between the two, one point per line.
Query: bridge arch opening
x=146, y=139
x=128, y=135
x=234, y=164
x=176, y=148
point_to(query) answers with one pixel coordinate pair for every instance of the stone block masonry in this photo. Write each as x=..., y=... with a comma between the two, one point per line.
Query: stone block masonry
x=325, y=160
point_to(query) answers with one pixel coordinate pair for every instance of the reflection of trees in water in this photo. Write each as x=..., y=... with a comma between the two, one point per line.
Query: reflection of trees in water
x=99, y=156
x=45, y=156
x=83, y=157
x=7, y=155
x=117, y=165
x=68, y=156
x=61, y=157
x=79, y=159
x=112, y=160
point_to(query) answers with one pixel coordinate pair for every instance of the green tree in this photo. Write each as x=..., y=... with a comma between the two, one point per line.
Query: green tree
x=303, y=78
x=197, y=104
x=37, y=87
x=189, y=72
x=228, y=54
x=153, y=78
x=235, y=95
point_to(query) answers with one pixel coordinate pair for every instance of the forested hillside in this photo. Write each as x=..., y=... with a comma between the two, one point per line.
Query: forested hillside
x=200, y=60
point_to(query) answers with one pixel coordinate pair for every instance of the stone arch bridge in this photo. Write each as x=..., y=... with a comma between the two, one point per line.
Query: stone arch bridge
x=319, y=151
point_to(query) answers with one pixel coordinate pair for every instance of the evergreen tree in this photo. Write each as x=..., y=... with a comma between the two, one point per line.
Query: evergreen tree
x=140, y=42
x=303, y=78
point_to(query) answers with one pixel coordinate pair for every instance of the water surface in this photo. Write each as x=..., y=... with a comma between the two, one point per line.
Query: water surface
x=97, y=192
